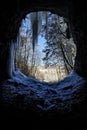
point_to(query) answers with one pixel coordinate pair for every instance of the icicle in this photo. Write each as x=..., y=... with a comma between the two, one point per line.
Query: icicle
x=36, y=22
x=39, y=21
x=34, y=28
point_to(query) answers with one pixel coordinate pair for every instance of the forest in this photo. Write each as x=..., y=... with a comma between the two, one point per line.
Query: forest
x=45, y=48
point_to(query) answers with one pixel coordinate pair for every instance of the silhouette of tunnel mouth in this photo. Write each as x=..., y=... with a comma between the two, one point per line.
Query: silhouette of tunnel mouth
x=46, y=48
x=65, y=99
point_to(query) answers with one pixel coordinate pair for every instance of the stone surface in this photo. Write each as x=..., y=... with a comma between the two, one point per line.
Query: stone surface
x=27, y=97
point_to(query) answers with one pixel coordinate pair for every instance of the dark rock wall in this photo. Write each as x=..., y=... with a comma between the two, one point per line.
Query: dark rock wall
x=78, y=18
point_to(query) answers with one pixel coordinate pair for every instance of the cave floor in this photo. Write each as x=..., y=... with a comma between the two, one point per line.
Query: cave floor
x=23, y=97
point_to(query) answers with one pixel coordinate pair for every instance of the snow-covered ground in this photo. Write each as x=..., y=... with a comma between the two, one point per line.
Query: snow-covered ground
x=25, y=93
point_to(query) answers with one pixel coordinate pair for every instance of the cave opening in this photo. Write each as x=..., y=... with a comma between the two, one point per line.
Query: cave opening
x=46, y=50
x=22, y=96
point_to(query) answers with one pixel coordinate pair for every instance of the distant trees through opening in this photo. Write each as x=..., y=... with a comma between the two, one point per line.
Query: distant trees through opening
x=46, y=50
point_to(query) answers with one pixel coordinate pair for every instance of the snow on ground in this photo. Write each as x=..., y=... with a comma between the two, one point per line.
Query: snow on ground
x=23, y=93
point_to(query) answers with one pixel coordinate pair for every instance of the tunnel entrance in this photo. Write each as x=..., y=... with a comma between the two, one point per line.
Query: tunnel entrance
x=46, y=49
x=21, y=96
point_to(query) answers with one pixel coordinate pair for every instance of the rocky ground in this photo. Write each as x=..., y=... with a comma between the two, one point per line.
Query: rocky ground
x=25, y=98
